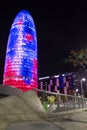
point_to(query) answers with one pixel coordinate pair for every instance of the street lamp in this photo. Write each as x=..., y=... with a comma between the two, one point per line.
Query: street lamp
x=77, y=90
x=81, y=81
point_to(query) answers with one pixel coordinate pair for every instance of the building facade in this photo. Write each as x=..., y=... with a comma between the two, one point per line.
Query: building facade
x=62, y=83
x=20, y=70
x=69, y=83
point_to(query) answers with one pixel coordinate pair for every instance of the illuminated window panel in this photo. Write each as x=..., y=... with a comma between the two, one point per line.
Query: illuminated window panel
x=20, y=70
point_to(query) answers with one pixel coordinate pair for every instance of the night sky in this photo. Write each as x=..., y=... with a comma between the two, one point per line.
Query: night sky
x=61, y=27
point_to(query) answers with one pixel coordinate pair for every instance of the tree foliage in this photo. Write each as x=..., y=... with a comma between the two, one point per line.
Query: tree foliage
x=78, y=58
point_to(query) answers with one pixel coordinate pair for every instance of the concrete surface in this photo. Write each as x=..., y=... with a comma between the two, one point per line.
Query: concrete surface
x=21, y=107
x=33, y=125
x=8, y=90
x=25, y=111
x=70, y=121
x=74, y=121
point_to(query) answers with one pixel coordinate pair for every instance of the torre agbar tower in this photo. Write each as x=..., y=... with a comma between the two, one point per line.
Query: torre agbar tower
x=20, y=69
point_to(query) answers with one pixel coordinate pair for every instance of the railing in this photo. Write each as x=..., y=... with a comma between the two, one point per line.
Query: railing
x=55, y=102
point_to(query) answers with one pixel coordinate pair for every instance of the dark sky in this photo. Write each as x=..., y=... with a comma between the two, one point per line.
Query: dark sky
x=61, y=27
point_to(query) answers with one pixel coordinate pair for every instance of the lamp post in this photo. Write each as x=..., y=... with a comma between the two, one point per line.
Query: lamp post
x=76, y=92
x=81, y=81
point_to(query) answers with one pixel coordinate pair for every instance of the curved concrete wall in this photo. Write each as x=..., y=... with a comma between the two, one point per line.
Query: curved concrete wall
x=24, y=106
x=9, y=90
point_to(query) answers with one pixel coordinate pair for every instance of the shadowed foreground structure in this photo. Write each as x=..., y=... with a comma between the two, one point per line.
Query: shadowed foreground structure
x=20, y=107
x=24, y=111
x=6, y=90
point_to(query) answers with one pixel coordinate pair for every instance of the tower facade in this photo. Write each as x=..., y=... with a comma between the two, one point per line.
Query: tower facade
x=20, y=68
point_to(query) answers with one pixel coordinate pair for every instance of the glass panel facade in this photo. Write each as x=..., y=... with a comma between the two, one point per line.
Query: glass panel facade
x=20, y=69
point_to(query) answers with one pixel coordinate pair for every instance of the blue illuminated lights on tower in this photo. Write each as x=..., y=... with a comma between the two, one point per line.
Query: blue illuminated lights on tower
x=20, y=69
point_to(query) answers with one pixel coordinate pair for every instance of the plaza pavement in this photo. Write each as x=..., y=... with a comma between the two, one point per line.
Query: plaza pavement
x=71, y=120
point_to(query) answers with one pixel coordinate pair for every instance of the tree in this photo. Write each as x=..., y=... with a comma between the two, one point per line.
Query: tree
x=78, y=58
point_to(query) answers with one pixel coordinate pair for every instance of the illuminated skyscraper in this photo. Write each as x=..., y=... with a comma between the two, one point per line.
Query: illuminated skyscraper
x=20, y=69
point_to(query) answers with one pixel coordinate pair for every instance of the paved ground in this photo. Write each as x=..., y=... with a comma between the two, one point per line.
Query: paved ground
x=76, y=121
x=33, y=125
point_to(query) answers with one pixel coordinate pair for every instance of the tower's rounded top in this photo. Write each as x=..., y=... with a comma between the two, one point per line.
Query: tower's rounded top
x=22, y=17
x=24, y=12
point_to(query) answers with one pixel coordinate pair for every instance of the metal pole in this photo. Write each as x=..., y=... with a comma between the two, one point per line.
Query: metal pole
x=46, y=88
x=58, y=103
x=82, y=94
x=81, y=88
